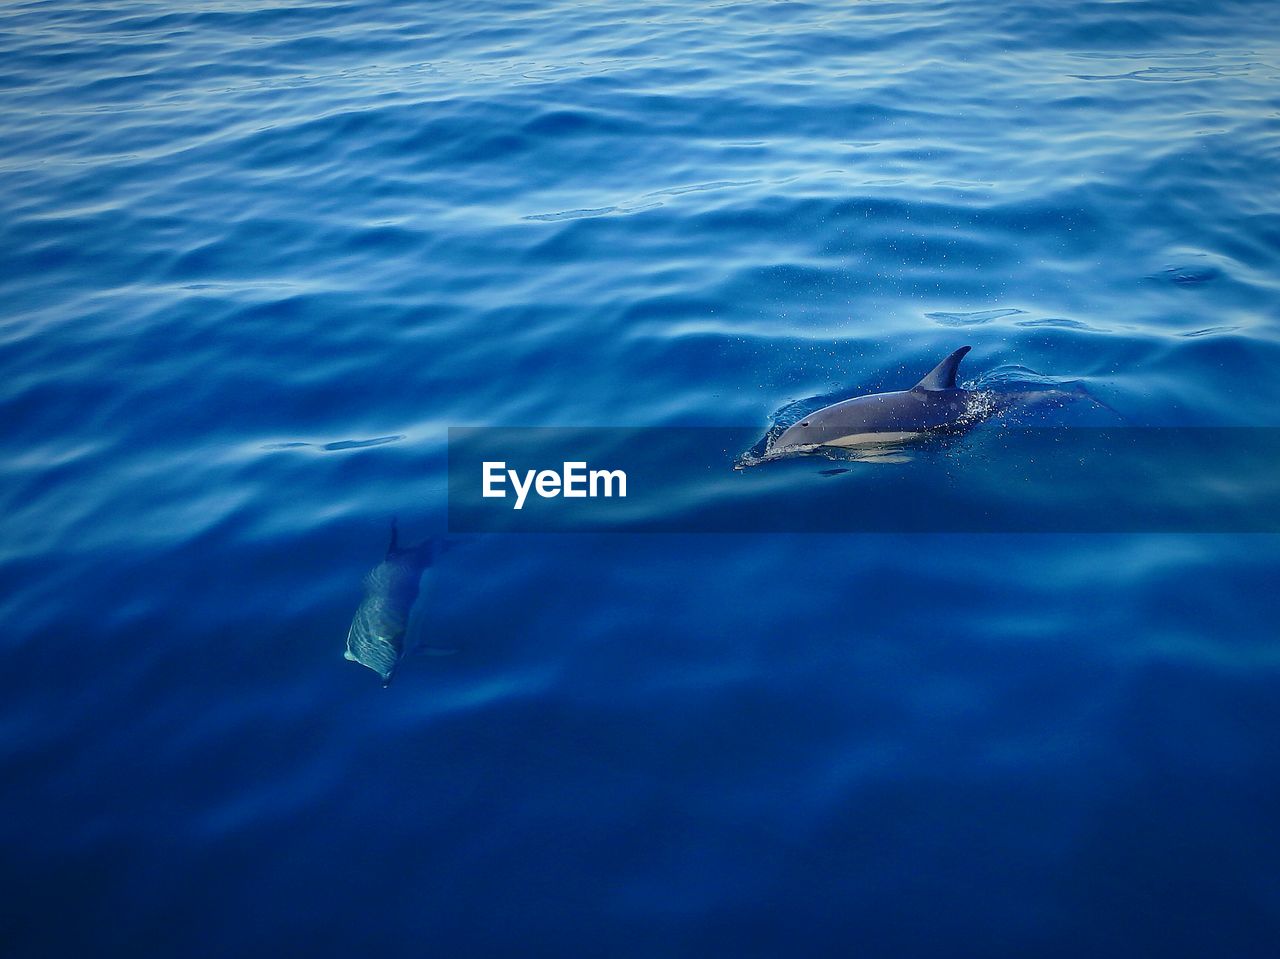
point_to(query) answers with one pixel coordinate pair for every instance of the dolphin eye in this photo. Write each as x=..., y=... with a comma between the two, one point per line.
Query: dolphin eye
x=805, y=423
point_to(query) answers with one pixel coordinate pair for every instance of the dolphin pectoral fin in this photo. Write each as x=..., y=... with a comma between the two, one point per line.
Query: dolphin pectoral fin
x=943, y=376
x=347, y=654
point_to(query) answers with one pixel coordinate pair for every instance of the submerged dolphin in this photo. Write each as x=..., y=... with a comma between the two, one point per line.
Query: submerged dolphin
x=377, y=635
x=933, y=405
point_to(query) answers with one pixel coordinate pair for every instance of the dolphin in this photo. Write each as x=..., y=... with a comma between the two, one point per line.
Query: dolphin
x=377, y=635
x=934, y=405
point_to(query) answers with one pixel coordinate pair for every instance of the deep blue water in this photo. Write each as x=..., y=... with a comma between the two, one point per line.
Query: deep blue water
x=241, y=240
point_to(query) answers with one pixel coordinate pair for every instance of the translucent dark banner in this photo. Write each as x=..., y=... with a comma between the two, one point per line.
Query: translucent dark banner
x=993, y=479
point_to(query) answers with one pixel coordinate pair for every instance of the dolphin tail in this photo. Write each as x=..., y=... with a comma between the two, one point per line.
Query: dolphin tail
x=943, y=376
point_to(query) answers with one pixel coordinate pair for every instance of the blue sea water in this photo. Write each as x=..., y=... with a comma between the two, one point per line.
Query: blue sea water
x=258, y=257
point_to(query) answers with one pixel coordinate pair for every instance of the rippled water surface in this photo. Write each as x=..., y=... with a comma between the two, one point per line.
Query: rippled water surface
x=258, y=257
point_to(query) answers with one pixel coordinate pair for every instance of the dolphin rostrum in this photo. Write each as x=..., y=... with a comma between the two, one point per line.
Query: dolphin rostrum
x=377, y=635
x=933, y=405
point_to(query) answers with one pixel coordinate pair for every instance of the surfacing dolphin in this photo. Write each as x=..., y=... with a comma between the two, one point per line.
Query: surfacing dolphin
x=378, y=631
x=933, y=406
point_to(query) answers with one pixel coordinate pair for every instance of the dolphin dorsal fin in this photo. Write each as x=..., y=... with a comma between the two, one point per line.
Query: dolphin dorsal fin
x=943, y=376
